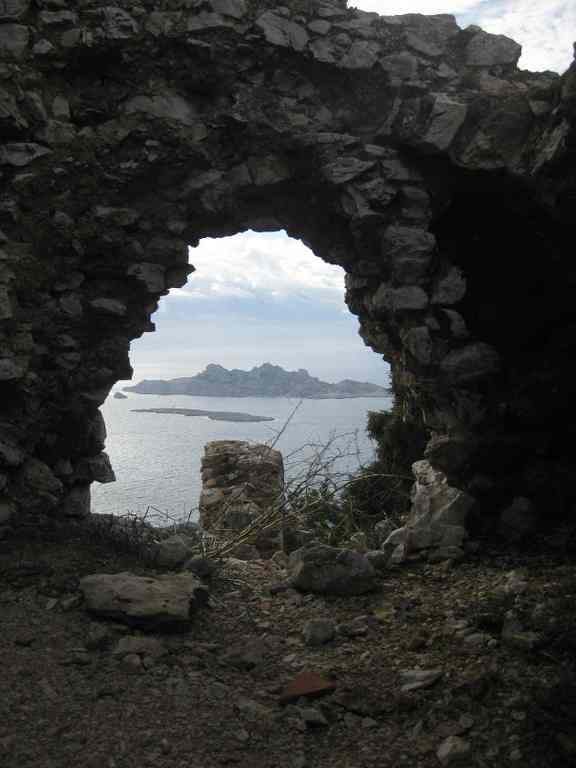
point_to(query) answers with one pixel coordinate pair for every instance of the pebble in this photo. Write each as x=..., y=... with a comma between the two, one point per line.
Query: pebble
x=453, y=750
x=97, y=637
x=313, y=717
x=319, y=632
x=248, y=654
x=477, y=639
x=131, y=663
x=78, y=658
x=413, y=679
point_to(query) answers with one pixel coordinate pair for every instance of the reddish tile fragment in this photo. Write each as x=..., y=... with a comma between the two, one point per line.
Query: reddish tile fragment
x=307, y=684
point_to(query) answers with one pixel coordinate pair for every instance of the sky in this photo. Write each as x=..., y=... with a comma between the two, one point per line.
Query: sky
x=258, y=298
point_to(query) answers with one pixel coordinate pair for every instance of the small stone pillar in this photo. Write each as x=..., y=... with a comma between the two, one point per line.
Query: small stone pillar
x=240, y=481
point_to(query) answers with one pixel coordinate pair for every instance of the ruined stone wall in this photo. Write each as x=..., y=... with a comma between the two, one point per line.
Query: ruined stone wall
x=412, y=153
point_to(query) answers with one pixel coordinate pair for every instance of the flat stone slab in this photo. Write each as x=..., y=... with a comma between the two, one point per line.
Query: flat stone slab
x=150, y=602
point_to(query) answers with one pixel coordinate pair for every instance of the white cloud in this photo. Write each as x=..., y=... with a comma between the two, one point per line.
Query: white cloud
x=251, y=264
x=545, y=28
x=396, y=7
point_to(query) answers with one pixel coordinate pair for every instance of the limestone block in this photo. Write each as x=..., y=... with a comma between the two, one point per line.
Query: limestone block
x=331, y=571
x=151, y=275
x=202, y=21
x=37, y=486
x=173, y=551
x=119, y=217
x=446, y=120
x=77, y=501
x=7, y=511
x=10, y=115
x=419, y=343
x=10, y=369
x=118, y=24
x=325, y=51
x=109, y=306
x=451, y=288
x=10, y=454
x=5, y=304
x=14, y=40
x=320, y=26
x=282, y=32
x=71, y=306
x=401, y=243
x=96, y=468
x=57, y=133
x=160, y=23
x=408, y=298
x=234, y=8
x=344, y=169
x=383, y=529
x=362, y=55
x=268, y=170
x=485, y=50
x=57, y=18
x=43, y=48
x=470, y=363
x=75, y=38
x=457, y=324
x=61, y=108
x=165, y=105
x=13, y=9
x=154, y=603
x=20, y=154
x=436, y=502
x=449, y=453
x=400, y=66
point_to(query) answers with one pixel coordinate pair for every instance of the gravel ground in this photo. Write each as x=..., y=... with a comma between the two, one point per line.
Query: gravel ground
x=498, y=630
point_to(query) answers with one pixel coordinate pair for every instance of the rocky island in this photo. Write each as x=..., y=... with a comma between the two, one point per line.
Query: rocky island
x=212, y=415
x=266, y=380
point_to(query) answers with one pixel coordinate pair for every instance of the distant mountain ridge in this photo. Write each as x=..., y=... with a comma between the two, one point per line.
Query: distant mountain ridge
x=266, y=380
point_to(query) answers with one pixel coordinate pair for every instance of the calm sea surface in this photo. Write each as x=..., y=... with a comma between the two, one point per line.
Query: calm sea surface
x=156, y=457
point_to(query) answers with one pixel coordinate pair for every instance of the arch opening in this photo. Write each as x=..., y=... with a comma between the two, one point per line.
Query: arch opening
x=256, y=301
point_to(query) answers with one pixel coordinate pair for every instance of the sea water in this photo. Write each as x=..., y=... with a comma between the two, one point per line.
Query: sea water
x=156, y=457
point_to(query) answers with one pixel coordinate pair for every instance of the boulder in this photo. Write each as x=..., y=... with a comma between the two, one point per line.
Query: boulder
x=163, y=602
x=174, y=551
x=331, y=571
x=383, y=529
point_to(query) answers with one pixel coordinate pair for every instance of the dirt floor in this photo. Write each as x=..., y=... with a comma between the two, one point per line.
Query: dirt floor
x=213, y=696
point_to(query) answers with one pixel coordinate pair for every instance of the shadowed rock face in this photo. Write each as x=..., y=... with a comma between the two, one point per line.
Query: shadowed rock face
x=412, y=153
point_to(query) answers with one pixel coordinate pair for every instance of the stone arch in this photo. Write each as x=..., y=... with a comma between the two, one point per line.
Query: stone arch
x=131, y=131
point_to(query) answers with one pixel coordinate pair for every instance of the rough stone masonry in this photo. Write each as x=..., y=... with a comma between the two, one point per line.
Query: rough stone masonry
x=411, y=152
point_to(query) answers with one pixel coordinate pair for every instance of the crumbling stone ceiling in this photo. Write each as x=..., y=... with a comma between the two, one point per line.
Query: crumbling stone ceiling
x=411, y=152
